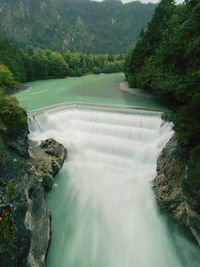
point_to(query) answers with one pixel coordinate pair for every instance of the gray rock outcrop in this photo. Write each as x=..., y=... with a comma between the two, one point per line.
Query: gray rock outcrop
x=24, y=216
x=38, y=216
x=48, y=165
x=174, y=189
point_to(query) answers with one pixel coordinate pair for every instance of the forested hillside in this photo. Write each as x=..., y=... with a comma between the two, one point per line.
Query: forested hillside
x=166, y=62
x=75, y=25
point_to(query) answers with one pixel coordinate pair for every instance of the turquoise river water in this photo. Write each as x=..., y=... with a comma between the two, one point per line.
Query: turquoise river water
x=104, y=212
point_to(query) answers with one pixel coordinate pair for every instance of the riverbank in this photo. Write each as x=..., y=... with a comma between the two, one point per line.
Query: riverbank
x=124, y=86
x=24, y=217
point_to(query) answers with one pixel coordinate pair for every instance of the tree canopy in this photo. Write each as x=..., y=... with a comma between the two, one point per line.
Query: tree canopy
x=17, y=66
x=166, y=61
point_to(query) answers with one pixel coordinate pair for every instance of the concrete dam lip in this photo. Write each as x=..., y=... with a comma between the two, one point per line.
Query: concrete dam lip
x=107, y=107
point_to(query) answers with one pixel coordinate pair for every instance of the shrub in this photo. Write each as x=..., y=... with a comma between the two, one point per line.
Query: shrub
x=6, y=78
x=7, y=228
x=12, y=115
x=10, y=189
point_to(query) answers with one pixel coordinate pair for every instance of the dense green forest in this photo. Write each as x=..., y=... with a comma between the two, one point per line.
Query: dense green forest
x=166, y=62
x=17, y=66
x=75, y=25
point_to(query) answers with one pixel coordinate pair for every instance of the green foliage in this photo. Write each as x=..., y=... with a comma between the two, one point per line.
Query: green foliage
x=10, y=188
x=195, y=155
x=12, y=115
x=12, y=57
x=6, y=78
x=166, y=61
x=7, y=228
x=86, y=26
x=81, y=64
x=2, y=148
x=186, y=120
x=147, y=45
x=45, y=64
x=57, y=67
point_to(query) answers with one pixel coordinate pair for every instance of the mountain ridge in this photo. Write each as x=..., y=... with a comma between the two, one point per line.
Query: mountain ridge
x=75, y=25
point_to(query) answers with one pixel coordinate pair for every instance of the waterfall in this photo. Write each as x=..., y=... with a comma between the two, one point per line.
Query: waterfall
x=104, y=212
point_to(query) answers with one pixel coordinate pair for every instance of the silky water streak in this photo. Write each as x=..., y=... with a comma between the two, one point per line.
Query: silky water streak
x=104, y=212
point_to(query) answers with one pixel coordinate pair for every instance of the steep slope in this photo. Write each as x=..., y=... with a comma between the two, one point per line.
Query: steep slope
x=166, y=62
x=24, y=217
x=175, y=189
x=77, y=25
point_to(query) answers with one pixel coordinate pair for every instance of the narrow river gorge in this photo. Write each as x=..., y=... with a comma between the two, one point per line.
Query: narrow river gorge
x=104, y=211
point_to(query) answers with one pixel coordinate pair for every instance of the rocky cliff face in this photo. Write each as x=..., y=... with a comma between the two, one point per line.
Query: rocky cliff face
x=174, y=188
x=24, y=217
x=37, y=218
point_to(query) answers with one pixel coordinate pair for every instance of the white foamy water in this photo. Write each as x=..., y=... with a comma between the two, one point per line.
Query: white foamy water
x=104, y=212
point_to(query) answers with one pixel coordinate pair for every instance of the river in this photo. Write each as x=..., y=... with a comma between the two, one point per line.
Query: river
x=99, y=89
x=104, y=212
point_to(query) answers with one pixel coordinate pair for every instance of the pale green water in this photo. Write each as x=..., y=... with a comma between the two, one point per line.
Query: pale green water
x=103, y=89
x=104, y=212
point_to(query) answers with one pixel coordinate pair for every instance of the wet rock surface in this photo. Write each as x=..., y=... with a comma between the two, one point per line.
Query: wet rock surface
x=24, y=216
x=48, y=165
x=38, y=216
x=173, y=187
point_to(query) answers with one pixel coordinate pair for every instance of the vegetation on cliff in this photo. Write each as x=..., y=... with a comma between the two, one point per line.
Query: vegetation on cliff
x=12, y=116
x=22, y=187
x=12, y=71
x=7, y=79
x=13, y=166
x=166, y=62
x=13, y=131
x=75, y=25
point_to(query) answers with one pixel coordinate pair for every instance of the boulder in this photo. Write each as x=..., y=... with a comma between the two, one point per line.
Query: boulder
x=37, y=220
x=48, y=165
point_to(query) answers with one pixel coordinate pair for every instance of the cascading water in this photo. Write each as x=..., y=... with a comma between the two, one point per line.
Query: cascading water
x=104, y=212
